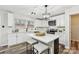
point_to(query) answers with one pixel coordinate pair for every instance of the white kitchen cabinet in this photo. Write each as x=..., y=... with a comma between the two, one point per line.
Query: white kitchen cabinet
x=41, y=23
x=0, y=21
x=4, y=36
x=37, y=23
x=53, y=18
x=62, y=38
x=60, y=20
x=12, y=39
x=11, y=22
x=57, y=21
x=20, y=37
x=10, y=19
x=0, y=35
x=3, y=29
x=25, y=37
x=44, y=23
x=0, y=30
x=16, y=38
x=5, y=20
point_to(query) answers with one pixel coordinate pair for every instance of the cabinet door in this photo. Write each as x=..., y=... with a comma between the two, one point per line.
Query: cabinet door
x=0, y=20
x=62, y=38
x=24, y=37
x=10, y=19
x=20, y=38
x=0, y=35
x=44, y=23
x=37, y=23
x=57, y=21
x=62, y=20
x=3, y=30
x=0, y=30
x=11, y=39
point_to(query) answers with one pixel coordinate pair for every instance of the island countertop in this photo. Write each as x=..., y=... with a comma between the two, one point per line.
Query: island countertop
x=45, y=39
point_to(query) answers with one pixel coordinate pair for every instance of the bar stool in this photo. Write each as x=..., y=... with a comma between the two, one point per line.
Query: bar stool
x=30, y=42
x=40, y=48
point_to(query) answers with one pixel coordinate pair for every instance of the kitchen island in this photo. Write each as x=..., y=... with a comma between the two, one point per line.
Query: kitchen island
x=51, y=40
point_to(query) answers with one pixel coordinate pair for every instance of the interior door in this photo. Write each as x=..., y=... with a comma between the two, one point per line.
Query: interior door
x=75, y=27
x=75, y=31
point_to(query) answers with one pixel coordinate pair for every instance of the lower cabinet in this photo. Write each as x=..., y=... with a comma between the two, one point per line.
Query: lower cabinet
x=11, y=39
x=3, y=36
x=16, y=38
x=62, y=39
x=21, y=37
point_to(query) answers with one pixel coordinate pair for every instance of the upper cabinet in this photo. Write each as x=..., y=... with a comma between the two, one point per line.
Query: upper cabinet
x=44, y=23
x=20, y=22
x=10, y=19
x=60, y=20
x=41, y=23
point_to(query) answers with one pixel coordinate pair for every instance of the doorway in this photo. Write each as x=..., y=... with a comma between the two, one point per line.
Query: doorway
x=75, y=32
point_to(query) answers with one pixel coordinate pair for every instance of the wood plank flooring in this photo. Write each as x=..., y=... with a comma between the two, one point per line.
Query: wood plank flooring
x=25, y=48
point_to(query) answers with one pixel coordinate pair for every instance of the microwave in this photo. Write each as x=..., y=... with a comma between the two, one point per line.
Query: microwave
x=52, y=23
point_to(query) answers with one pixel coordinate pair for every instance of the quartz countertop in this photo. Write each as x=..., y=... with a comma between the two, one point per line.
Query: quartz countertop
x=46, y=39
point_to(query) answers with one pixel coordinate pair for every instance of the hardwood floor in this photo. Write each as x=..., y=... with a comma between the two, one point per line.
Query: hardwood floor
x=25, y=48
x=16, y=49
x=74, y=49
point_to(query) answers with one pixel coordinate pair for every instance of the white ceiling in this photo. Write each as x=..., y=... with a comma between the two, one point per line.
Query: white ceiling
x=38, y=9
